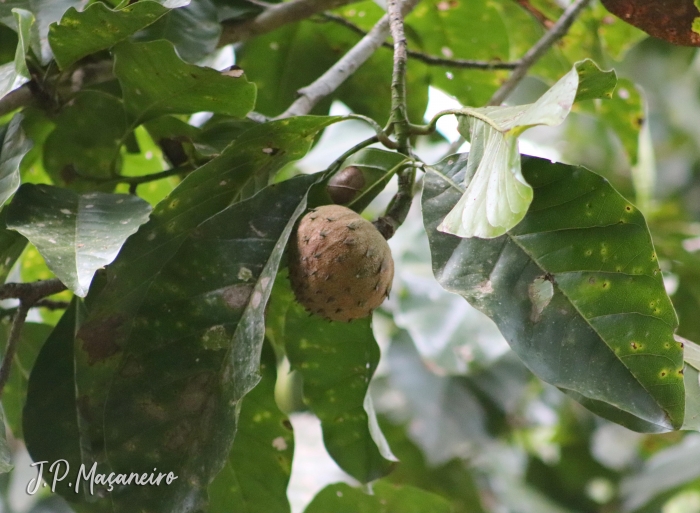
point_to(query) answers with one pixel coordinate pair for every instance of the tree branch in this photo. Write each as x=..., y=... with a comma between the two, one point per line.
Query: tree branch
x=558, y=30
x=29, y=294
x=424, y=57
x=12, y=341
x=275, y=17
x=399, y=114
x=346, y=66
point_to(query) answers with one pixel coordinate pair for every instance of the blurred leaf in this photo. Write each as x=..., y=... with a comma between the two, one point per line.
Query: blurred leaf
x=51, y=417
x=445, y=419
x=14, y=145
x=452, y=480
x=76, y=234
x=670, y=20
x=76, y=152
x=337, y=361
x=665, y=471
x=15, y=392
x=243, y=169
x=264, y=436
x=98, y=27
x=194, y=30
x=14, y=74
x=624, y=114
x=386, y=498
x=156, y=81
x=606, y=336
x=497, y=197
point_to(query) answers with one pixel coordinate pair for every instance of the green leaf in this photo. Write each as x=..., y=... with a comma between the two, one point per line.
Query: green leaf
x=98, y=27
x=194, y=30
x=14, y=74
x=50, y=419
x=193, y=350
x=257, y=471
x=14, y=145
x=386, y=498
x=242, y=169
x=46, y=13
x=606, y=335
x=337, y=361
x=498, y=196
x=31, y=340
x=76, y=151
x=155, y=81
x=76, y=234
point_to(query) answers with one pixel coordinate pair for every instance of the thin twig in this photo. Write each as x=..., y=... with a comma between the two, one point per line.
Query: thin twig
x=275, y=17
x=424, y=57
x=31, y=292
x=558, y=30
x=310, y=95
x=536, y=13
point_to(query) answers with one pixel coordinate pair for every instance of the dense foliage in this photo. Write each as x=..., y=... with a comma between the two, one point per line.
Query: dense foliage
x=155, y=157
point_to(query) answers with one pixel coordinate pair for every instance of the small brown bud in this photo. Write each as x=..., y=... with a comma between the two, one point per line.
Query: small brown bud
x=344, y=186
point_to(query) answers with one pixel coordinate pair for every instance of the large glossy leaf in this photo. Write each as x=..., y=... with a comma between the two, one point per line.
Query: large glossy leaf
x=76, y=234
x=194, y=30
x=604, y=331
x=498, y=196
x=14, y=145
x=257, y=472
x=14, y=74
x=242, y=169
x=13, y=396
x=386, y=498
x=336, y=361
x=98, y=27
x=51, y=418
x=155, y=81
x=194, y=349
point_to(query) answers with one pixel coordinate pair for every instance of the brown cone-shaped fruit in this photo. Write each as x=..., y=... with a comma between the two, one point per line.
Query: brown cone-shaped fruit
x=340, y=265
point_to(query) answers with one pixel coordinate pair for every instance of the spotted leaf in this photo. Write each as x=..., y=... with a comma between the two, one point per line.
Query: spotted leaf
x=605, y=335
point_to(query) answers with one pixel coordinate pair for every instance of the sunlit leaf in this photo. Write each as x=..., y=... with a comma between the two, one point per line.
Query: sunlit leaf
x=76, y=234
x=155, y=81
x=98, y=27
x=14, y=74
